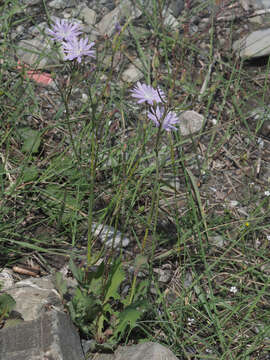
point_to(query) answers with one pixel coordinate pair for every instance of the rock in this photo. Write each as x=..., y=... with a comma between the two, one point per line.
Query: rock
x=33, y=295
x=217, y=241
x=164, y=276
x=190, y=122
x=259, y=119
x=254, y=45
x=144, y=351
x=133, y=72
x=265, y=268
x=176, y=7
x=36, y=30
x=188, y=279
x=258, y=7
x=125, y=9
x=109, y=236
x=62, y=4
x=51, y=336
x=31, y=2
x=37, y=53
x=171, y=21
x=88, y=15
x=255, y=4
x=6, y=279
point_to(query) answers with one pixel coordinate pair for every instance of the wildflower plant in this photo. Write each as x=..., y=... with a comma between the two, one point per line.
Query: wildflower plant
x=75, y=48
x=164, y=119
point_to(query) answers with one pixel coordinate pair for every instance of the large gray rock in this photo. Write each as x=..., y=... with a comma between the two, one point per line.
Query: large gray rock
x=255, y=4
x=144, y=351
x=254, y=45
x=33, y=296
x=52, y=336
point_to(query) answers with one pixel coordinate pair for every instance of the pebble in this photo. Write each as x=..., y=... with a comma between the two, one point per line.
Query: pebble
x=190, y=122
x=109, y=237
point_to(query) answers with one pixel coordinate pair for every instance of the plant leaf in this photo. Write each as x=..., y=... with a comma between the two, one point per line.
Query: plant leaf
x=30, y=173
x=130, y=315
x=7, y=304
x=60, y=284
x=31, y=140
x=117, y=275
x=76, y=272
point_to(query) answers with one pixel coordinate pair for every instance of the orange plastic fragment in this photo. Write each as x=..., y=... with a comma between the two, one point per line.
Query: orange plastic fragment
x=42, y=78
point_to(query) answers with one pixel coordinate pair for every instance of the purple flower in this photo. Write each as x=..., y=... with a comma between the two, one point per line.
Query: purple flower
x=62, y=30
x=146, y=93
x=156, y=114
x=118, y=27
x=76, y=48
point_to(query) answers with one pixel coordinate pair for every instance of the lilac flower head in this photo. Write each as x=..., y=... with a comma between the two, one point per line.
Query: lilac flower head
x=167, y=123
x=62, y=30
x=118, y=27
x=146, y=93
x=76, y=48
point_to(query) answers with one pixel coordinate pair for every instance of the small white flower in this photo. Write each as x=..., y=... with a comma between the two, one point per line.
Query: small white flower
x=84, y=97
x=268, y=237
x=260, y=142
x=233, y=289
x=267, y=193
x=190, y=321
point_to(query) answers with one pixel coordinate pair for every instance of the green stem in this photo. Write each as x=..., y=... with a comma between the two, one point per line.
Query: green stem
x=91, y=198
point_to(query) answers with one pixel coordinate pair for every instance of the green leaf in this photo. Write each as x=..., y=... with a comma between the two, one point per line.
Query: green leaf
x=76, y=271
x=7, y=304
x=117, y=275
x=31, y=140
x=130, y=315
x=94, y=278
x=30, y=173
x=141, y=261
x=84, y=309
x=60, y=284
x=139, y=293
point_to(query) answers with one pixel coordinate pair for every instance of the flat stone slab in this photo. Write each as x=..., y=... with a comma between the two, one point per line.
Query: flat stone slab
x=254, y=45
x=50, y=337
x=144, y=351
x=33, y=295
